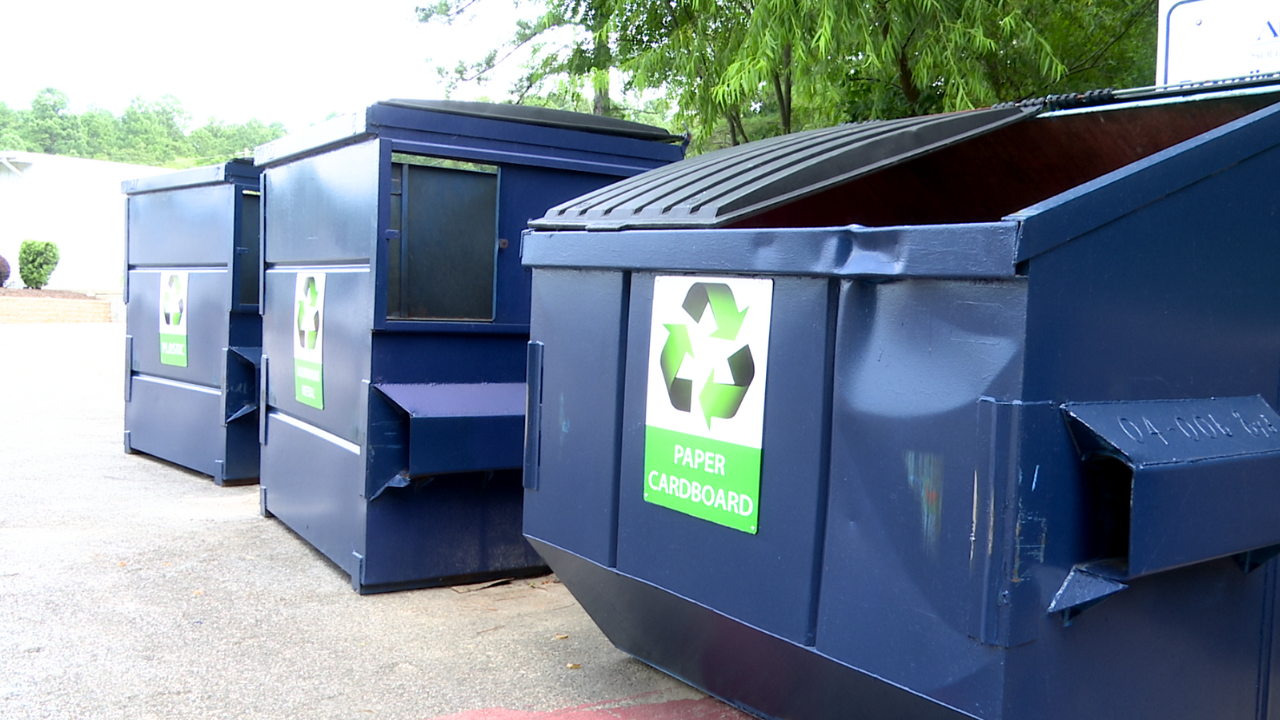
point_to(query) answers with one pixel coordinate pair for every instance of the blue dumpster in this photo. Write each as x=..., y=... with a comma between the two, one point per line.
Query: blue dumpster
x=194, y=334
x=960, y=416
x=395, y=319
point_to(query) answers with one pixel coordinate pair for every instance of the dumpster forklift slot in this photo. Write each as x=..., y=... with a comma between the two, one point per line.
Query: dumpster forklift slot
x=1173, y=483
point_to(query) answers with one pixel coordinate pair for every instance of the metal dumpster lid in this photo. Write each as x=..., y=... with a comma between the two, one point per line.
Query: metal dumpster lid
x=239, y=170
x=720, y=187
x=546, y=117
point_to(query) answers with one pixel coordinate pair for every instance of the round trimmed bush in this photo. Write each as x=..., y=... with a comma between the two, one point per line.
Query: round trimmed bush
x=36, y=261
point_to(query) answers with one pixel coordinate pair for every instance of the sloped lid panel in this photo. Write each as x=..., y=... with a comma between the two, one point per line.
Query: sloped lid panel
x=546, y=117
x=727, y=185
x=241, y=170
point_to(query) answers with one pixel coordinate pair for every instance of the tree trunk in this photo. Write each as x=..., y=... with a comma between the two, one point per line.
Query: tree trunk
x=782, y=89
x=906, y=78
x=600, y=83
x=736, y=130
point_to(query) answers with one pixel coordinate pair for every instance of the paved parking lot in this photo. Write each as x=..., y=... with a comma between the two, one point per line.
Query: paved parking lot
x=131, y=588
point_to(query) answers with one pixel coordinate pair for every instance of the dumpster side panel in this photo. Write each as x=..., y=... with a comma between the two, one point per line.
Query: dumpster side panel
x=910, y=458
x=178, y=422
x=320, y=215
x=1269, y=662
x=580, y=319
x=207, y=325
x=443, y=357
x=1181, y=644
x=312, y=458
x=313, y=482
x=323, y=207
x=192, y=227
x=345, y=348
x=525, y=193
x=478, y=513
x=1175, y=300
x=767, y=580
x=758, y=672
x=1192, y=642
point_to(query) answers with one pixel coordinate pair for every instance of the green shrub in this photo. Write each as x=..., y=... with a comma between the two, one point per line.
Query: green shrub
x=36, y=261
x=4, y=271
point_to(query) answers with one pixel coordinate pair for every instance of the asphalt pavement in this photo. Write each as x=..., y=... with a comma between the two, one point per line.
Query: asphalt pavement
x=133, y=588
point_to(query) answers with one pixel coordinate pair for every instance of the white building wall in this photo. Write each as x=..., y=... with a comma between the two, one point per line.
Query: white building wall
x=75, y=203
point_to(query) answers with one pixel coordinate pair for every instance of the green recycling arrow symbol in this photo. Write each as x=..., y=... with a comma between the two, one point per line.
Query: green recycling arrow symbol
x=678, y=344
x=173, y=304
x=309, y=315
x=720, y=400
x=723, y=308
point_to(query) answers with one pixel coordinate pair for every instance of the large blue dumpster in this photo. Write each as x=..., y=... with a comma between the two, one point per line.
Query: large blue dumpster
x=194, y=334
x=395, y=319
x=966, y=415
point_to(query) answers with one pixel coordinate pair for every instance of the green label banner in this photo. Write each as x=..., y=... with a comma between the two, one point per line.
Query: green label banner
x=704, y=417
x=708, y=479
x=308, y=340
x=173, y=318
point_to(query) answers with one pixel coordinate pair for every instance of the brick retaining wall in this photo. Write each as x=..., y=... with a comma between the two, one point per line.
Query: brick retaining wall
x=53, y=310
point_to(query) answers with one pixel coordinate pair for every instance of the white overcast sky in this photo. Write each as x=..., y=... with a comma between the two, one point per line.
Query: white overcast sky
x=290, y=61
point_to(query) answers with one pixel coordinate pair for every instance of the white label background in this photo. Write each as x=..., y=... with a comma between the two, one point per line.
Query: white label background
x=746, y=427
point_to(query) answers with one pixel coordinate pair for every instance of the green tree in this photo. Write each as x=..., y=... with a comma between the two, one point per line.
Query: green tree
x=148, y=132
x=574, y=76
x=11, y=129
x=10, y=140
x=1100, y=44
x=101, y=134
x=743, y=69
x=217, y=141
x=152, y=132
x=51, y=127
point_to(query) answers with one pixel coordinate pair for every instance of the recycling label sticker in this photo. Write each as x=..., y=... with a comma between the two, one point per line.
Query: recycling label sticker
x=704, y=417
x=308, y=340
x=173, y=318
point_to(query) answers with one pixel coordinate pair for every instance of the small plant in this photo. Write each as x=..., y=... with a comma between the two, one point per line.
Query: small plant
x=36, y=261
x=4, y=271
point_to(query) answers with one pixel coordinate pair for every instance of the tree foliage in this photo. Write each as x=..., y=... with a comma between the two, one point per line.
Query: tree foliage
x=738, y=70
x=146, y=133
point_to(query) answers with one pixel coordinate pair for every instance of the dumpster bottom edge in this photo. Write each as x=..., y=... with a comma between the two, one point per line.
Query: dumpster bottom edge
x=748, y=668
x=466, y=579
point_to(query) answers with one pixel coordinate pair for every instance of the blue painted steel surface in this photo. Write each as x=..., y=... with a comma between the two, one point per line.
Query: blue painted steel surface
x=735, y=662
x=408, y=476
x=934, y=539
x=455, y=427
x=1203, y=475
x=203, y=415
x=579, y=440
x=975, y=250
x=690, y=559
